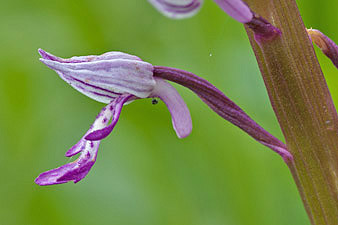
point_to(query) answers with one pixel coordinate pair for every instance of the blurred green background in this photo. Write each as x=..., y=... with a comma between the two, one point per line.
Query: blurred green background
x=144, y=174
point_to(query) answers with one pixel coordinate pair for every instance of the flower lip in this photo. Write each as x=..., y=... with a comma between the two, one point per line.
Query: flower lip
x=65, y=173
x=77, y=170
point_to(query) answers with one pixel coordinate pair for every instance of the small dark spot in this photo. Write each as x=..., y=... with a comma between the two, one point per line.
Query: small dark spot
x=154, y=101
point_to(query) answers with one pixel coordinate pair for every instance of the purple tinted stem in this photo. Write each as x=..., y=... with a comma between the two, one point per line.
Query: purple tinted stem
x=223, y=106
x=263, y=30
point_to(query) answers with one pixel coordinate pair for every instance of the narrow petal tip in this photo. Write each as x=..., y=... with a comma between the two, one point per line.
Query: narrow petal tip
x=47, y=55
x=77, y=148
x=42, y=52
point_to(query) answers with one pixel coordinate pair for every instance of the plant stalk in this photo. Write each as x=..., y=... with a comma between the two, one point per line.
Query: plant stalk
x=303, y=105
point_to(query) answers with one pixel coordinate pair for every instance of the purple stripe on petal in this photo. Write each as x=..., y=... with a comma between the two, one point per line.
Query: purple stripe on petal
x=237, y=9
x=90, y=58
x=74, y=171
x=107, y=75
x=177, y=9
x=179, y=111
x=115, y=107
x=51, y=177
x=101, y=97
x=96, y=87
x=77, y=148
x=120, y=75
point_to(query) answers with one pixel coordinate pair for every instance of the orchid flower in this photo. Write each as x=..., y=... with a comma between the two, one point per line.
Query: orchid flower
x=113, y=78
x=117, y=78
x=178, y=9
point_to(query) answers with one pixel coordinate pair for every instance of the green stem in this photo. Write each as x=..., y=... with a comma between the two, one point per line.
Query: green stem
x=303, y=105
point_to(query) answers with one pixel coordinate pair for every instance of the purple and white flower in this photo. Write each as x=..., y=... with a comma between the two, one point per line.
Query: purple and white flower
x=113, y=78
x=117, y=78
x=178, y=9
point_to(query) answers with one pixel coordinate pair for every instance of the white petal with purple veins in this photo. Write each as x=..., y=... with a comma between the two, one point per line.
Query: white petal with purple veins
x=104, y=77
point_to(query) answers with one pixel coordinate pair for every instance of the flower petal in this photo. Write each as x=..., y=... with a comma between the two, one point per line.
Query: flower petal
x=77, y=170
x=77, y=148
x=74, y=171
x=177, y=9
x=179, y=111
x=236, y=9
x=106, y=76
x=89, y=58
x=115, y=108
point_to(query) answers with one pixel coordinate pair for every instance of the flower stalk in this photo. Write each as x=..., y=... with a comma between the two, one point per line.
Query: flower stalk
x=303, y=105
x=224, y=107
